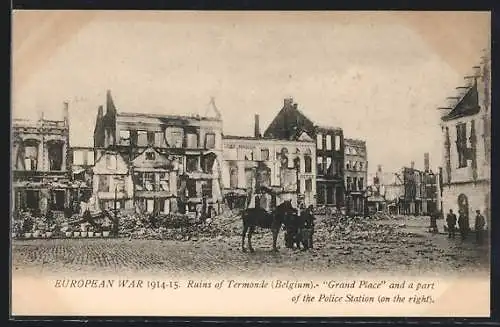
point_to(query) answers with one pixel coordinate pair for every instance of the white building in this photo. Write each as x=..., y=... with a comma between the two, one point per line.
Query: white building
x=466, y=128
x=289, y=167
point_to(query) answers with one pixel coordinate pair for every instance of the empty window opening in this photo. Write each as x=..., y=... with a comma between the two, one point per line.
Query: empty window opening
x=192, y=163
x=164, y=182
x=462, y=145
x=30, y=159
x=319, y=161
x=308, y=163
x=32, y=199
x=58, y=200
x=210, y=141
x=191, y=140
x=308, y=185
x=103, y=185
x=207, y=163
x=319, y=141
x=233, y=177
x=206, y=188
x=328, y=142
x=329, y=167
x=55, y=150
x=151, y=138
x=191, y=188
x=337, y=142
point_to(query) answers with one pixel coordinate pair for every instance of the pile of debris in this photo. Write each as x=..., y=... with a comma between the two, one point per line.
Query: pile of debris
x=355, y=229
x=177, y=226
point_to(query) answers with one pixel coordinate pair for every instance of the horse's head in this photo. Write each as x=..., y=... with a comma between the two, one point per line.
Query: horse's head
x=285, y=212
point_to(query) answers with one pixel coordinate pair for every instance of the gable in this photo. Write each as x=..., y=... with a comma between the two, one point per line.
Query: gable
x=110, y=163
x=150, y=158
x=283, y=124
x=305, y=137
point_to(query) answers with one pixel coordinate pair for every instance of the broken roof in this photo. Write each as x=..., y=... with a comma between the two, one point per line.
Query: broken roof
x=468, y=105
x=164, y=116
x=264, y=138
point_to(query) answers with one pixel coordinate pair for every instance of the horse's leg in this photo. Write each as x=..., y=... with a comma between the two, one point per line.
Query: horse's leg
x=245, y=229
x=250, y=232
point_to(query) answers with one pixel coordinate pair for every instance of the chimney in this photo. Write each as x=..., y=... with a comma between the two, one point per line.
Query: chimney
x=66, y=112
x=379, y=168
x=40, y=115
x=476, y=71
x=412, y=165
x=288, y=102
x=257, y=127
x=295, y=106
x=426, y=161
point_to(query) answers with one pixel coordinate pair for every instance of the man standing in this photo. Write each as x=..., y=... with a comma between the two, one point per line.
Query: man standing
x=434, y=217
x=309, y=225
x=479, y=226
x=451, y=221
x=463, y=225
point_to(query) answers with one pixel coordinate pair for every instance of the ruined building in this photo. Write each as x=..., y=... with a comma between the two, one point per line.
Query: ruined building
x=356, y=175
x=157, y=163
x=466, y=130
x=291, y=124
x=41, y=178
x=276, y=170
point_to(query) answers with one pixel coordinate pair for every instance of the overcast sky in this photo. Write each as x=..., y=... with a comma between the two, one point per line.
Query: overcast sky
x=379, y=76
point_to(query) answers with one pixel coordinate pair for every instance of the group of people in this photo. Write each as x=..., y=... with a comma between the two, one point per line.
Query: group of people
x=463, y=225
x=299, y=229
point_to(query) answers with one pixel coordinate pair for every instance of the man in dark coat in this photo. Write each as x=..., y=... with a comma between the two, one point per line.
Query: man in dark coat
x=308, y=229
x=434, y=217
x=479, y=226
x=463, y=224
x=451, y=221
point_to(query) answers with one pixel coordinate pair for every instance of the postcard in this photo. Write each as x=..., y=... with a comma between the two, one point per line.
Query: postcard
x=211, y=164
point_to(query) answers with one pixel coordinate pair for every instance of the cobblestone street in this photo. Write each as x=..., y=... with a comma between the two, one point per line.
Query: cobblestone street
x=414, y=251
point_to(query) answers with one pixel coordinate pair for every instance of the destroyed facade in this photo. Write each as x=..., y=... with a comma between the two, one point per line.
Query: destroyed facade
x=266, y=171
x=157, y=163
x=356, y=176
x=291, y=124
x=409, y=191
x=466, y=130
x=41, y=173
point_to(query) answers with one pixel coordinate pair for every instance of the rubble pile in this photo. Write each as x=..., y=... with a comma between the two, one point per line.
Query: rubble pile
x=356, y=229
x=178, y=227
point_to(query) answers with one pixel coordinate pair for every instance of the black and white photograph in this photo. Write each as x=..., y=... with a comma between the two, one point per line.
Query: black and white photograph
x=300, y=151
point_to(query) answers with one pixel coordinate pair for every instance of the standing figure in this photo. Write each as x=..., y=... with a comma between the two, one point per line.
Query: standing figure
x=479, y=227
x=309, y=226
x=203, y=213
x=434, y=217
x=451, y=221
x=463, y=224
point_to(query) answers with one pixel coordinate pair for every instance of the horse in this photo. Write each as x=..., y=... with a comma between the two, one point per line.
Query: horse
x=258, y=217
